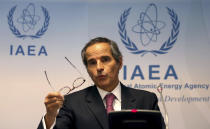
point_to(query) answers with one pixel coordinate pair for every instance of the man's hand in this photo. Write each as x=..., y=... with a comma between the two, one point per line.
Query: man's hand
x=53, y=101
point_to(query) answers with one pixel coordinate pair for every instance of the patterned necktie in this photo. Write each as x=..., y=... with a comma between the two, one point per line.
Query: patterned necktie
x=109, y=102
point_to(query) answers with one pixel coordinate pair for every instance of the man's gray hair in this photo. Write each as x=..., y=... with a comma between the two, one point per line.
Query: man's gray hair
x=113, y=45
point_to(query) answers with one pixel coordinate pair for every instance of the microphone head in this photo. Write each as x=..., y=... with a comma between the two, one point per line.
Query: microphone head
x=160, y=89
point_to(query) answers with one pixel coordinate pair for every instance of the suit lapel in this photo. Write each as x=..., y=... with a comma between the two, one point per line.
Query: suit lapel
x=96, y=105
x=128, y=100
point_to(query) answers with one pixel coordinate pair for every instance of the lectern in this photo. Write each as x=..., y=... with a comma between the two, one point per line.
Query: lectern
x=135, y=119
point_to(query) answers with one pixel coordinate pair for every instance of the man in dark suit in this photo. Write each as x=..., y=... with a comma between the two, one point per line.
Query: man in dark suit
x=88, y=108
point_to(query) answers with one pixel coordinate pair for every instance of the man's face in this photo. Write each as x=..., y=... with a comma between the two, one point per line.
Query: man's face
x=102, y=67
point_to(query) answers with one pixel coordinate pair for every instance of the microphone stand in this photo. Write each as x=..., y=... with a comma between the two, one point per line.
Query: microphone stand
x=160, y=90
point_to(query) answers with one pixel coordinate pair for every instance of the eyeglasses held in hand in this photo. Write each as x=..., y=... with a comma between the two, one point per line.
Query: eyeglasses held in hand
x=66, y=89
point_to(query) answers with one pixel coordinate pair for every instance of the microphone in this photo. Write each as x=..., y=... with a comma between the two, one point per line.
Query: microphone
x=160, y=90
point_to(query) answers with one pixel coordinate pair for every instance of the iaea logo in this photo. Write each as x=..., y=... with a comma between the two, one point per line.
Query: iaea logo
x=28, y=22
x=148, y=28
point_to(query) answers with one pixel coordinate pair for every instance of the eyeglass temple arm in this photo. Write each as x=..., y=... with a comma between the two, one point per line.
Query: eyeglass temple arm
x=73, y=66
x=45, y=72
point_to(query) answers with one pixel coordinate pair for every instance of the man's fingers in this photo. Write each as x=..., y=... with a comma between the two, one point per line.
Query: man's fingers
x=53, y=101
x=50, y=100
x=55, y=105
x=60, y=103
x=55, y=94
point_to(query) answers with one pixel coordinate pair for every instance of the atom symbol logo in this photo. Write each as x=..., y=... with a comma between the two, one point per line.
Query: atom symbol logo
x=28, y=19
x=148, y=26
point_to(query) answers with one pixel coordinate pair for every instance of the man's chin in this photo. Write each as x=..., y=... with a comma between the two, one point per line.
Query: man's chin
x=102, y=85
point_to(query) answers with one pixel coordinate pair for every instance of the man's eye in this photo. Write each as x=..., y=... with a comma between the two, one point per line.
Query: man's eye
x=105, y=59
x=91, y=62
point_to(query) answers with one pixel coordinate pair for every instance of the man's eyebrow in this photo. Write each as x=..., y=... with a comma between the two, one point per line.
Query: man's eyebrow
x=91, y=59
x=105, y=56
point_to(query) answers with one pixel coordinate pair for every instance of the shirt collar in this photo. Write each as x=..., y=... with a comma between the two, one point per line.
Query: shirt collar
x=116, y=92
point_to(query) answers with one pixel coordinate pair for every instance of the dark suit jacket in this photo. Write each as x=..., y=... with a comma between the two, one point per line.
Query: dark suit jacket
x=85, y=109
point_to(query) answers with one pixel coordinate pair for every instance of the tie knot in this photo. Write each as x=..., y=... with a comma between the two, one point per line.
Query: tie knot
x=109, y=101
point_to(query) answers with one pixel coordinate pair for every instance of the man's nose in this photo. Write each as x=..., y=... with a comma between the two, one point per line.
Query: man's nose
x=100, y=67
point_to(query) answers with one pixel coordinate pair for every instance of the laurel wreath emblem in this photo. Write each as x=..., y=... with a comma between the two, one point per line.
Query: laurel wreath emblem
x=38, y=34
x=166, y=46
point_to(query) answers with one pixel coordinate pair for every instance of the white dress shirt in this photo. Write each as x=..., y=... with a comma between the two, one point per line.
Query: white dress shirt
x=117, y=100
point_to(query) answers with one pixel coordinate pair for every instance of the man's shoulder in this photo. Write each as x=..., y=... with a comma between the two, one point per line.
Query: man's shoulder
x=138, y=92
